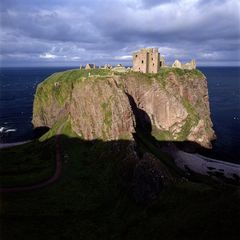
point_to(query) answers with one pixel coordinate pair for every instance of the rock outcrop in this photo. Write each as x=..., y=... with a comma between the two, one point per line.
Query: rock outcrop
x=173, y=103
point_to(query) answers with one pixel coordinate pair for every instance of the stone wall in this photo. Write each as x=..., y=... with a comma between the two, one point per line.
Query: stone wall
x=147, y=60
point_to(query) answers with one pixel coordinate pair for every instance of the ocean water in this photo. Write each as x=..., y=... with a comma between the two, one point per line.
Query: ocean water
x=18, y=85
x=224, y=98
x=17, y=88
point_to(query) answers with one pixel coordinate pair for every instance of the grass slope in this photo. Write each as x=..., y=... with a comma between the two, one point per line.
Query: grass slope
x=87, y=201
x=27, y=164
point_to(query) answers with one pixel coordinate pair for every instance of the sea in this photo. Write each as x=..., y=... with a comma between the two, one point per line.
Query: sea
x=18, y=85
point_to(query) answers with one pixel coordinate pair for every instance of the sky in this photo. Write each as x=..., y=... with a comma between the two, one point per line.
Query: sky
x=74, y=32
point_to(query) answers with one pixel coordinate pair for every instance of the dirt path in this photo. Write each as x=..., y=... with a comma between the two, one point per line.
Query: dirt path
x=55, y=176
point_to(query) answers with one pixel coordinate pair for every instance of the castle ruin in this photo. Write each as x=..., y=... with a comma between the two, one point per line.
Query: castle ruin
x=147, y=60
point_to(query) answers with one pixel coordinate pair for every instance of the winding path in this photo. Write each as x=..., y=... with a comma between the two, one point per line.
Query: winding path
x=52, y=179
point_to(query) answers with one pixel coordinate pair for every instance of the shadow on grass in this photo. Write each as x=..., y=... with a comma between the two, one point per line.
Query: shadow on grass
x=95, y=197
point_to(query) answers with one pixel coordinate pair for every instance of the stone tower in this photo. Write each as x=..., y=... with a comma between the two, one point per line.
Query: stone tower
x=147, y=60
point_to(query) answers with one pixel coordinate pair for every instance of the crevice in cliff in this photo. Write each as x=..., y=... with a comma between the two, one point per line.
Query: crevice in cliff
x=143, y=121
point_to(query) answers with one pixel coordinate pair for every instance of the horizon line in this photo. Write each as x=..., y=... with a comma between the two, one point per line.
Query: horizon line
x=69, y=66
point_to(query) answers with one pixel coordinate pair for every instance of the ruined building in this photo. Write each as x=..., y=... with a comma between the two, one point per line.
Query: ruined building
x=147, y=60
x=90, y=66
x=190, y=65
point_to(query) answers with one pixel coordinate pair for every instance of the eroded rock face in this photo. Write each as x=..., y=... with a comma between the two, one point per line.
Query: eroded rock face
x=176, y=105
x=101, y=110
x=164, y=109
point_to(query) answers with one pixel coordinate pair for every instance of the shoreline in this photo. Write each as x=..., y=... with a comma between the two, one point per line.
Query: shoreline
x=9, y=145
x=200, y=164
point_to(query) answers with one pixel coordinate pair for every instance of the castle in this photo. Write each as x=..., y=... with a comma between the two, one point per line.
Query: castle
x=148, y=60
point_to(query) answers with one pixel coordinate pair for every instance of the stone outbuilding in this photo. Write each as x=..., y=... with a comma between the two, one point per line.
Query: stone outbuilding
x=90, y=66
x=107, y=66
x=119, y=68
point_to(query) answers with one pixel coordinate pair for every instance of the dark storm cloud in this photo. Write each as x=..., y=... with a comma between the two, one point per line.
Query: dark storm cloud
x=76, y=31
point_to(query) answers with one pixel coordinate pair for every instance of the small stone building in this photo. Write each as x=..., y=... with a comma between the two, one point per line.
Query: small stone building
x=147, y=60
x=90, y=66
x=119, y=68
x=107, y=66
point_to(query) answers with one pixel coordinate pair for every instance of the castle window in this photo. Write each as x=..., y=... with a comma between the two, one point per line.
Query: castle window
x=152, y=59
x=142, y=61
x=153, y=64
x=136, y=56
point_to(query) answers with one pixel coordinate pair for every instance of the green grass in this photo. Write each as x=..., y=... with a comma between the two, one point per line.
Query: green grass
x=75, y=75
x=59, y=85
x=162, y=135
x=33, y=162
x=106, y=107
x=191, y=121
x=88, y=202
x=107, y=113
x=29, y=164
x=164, y=73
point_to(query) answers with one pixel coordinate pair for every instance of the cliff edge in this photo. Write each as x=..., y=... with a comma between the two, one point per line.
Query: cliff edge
x=172, y=104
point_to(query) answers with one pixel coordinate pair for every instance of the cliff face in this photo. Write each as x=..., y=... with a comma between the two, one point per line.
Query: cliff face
x=172, y=104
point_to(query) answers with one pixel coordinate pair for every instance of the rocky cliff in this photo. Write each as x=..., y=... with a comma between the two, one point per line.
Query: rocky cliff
x=172, y=104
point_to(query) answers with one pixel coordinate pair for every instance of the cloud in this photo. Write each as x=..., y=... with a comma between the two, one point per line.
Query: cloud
x=126, y=57
x=77, y=31
x=47, y=56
